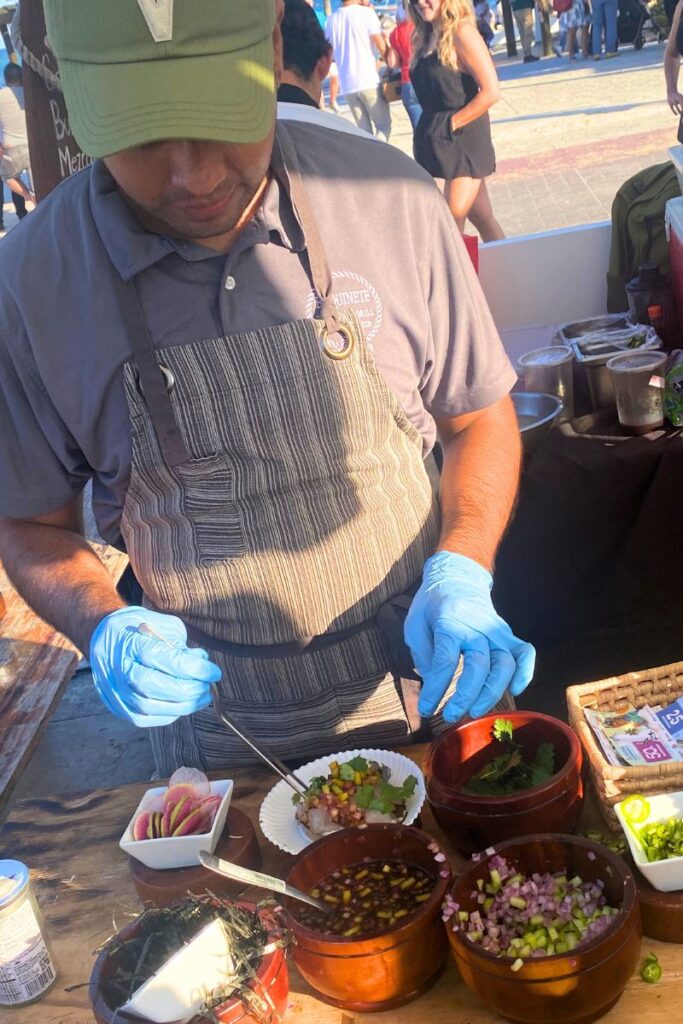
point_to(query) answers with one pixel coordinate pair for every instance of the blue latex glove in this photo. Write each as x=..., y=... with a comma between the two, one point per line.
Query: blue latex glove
x=143, y=680
x=452, y=614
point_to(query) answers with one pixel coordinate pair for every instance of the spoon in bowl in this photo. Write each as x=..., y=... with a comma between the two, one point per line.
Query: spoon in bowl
x=240, y=874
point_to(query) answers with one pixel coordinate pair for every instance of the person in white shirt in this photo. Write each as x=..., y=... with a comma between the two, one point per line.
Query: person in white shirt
x=14, y=157
x=356, y=36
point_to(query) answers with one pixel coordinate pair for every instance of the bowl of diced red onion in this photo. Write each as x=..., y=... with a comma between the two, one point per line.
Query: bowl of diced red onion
x=545, y=928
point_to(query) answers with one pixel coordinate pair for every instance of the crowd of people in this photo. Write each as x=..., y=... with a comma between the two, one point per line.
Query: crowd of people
x=447, y=85
x=447, y=80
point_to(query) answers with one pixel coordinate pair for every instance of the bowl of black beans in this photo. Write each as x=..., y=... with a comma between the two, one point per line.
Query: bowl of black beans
x=381, y=941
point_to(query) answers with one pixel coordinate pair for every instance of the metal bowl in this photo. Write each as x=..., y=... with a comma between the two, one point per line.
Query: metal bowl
x=536, y=414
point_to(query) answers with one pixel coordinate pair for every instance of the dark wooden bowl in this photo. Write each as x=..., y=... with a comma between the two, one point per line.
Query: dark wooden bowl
x=387, y=970
x=476, y=822
x=271, y=983
x=238, y=844
x=575, y=988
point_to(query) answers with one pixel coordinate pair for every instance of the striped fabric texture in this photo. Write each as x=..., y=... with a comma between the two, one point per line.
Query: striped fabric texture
x=305, y=505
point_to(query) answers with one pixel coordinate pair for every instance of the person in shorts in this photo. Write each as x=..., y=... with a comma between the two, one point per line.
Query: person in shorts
x=14, y=160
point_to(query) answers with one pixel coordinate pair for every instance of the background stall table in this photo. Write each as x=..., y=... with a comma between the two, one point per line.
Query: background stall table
x=591, y=568
x=83, y=884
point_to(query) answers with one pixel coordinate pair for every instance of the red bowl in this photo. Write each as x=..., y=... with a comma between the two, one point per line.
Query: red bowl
x=270, y=983
x=573, y=988
x=383, y=971
x=476, y=822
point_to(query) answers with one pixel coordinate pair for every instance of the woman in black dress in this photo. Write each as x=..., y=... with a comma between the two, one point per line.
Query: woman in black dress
x=456, y=83
x=672, y=65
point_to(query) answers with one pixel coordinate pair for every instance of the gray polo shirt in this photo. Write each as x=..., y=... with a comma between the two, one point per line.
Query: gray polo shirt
x=395, y=255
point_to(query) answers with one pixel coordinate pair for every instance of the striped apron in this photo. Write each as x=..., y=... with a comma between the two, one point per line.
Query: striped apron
x=278, y=493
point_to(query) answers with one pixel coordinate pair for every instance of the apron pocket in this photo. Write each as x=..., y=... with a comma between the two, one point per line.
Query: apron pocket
x=208, y=493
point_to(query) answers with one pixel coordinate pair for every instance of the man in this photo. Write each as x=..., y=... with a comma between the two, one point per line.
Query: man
x=306, y=56
x=14, y=158
x=399, y=56
x=355, y=33
x=223, y=349
x=604, y=19
x=523, y=11
x=333, y=76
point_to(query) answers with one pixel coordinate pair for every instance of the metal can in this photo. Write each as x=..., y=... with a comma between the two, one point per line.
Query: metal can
x=26, y=968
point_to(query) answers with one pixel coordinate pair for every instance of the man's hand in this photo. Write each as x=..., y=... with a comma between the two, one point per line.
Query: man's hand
x=142, y=679
x=452, y=614
x=675, y=101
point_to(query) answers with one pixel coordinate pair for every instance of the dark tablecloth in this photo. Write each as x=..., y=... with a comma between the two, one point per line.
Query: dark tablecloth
x=594, y=553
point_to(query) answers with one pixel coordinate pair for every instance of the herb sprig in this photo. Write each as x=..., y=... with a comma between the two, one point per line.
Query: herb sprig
x=510, y=772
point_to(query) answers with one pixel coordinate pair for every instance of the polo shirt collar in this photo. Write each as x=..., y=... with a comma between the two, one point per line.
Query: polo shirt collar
x=132, y=249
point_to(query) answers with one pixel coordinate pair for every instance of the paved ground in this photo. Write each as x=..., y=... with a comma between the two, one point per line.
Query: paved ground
x=566, y=137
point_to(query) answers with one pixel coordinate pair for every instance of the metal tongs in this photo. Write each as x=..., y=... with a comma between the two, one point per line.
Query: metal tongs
x=278, y=766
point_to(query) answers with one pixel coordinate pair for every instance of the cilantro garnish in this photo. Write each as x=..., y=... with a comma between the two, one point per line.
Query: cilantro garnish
x=513, y=770
x=502, y=729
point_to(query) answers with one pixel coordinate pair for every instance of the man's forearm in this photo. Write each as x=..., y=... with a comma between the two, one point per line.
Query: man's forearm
x=59, y=575
x=479, y=482
x=672, y=65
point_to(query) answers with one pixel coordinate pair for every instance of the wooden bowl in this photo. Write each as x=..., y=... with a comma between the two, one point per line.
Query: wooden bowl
x=476, y=822
x=574, y=988
x=271, y=983
x=238, y=844
x=383, y=971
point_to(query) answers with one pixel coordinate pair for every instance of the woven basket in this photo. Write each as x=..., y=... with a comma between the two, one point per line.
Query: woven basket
x=614, y=782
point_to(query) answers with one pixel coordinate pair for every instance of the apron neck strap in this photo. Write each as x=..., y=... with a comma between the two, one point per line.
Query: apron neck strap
x=153, y=383
x=285, y=167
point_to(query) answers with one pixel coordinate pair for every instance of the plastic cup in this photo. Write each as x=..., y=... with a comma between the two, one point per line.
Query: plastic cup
x=550, y=371
x=640, y=404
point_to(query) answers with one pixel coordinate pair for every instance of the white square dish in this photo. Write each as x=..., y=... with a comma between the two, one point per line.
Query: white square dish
x=177, y=851
x=664, y=875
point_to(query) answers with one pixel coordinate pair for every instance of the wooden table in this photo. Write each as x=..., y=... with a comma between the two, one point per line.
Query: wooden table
x=82, y=882
x=36, y=664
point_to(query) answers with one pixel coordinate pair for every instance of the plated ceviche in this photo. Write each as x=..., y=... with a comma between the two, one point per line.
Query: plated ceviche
x=523, y=916
x=352, y=794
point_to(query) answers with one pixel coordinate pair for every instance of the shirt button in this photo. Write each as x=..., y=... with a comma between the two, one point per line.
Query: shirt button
x=230, y=284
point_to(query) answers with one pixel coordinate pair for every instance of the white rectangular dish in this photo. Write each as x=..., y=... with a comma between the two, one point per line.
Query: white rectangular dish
x=664, y=875
x=177, y=851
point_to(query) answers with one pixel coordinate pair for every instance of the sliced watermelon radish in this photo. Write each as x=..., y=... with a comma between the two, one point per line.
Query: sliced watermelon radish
x=193, y=777
x=157, y=803
x=175, y=793
x=181, y=810
x=193, y=824
x=140, y=826
x=187, y=807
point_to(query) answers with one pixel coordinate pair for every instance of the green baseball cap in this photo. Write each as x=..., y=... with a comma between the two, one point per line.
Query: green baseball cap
x=137, y=71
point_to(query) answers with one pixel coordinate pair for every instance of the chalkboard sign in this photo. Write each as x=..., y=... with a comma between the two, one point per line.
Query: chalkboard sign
x=55, y=155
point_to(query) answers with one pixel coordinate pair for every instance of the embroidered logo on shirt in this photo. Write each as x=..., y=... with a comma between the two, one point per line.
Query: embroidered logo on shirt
x=355, y=291
x=159, y=17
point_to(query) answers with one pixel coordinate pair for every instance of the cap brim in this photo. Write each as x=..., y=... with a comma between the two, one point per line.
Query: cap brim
x=227, y=97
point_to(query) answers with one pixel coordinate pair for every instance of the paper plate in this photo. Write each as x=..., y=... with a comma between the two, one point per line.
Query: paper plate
x=277, y=815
